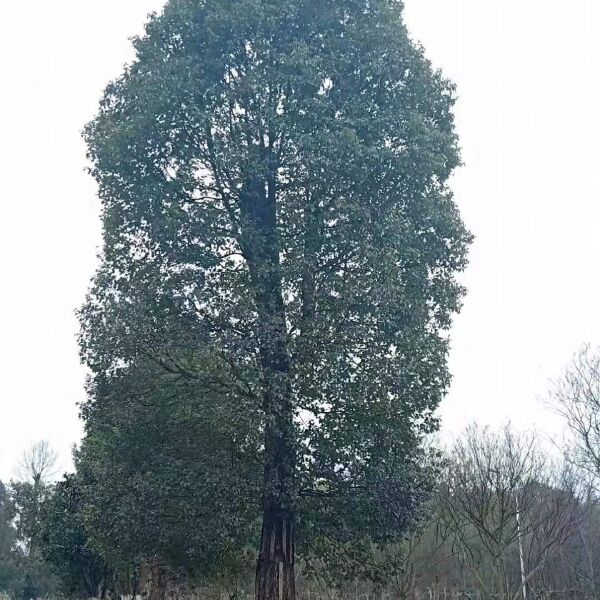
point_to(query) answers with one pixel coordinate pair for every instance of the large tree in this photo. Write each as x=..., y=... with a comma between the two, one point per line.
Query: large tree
x=278, y=229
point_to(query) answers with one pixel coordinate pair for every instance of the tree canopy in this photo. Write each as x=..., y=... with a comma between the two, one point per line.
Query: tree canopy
x=279, y=267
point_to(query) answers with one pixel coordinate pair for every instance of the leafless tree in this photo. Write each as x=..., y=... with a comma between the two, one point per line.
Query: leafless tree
x=576, y=397
x=430, y=560
x=507, y=507
x=38, y=464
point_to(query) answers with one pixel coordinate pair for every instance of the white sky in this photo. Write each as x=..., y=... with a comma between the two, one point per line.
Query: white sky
x=529, y=120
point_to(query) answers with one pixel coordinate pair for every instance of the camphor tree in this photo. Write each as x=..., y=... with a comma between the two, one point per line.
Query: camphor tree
x=278, y=229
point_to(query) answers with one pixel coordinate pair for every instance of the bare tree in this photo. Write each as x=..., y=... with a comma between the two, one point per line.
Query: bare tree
x=430, y=561
x=36, y=468
x=38, y=464
x=507, y=507
x=576, y=397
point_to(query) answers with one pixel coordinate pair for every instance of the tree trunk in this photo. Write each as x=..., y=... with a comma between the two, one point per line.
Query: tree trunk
x=275, y=579
x=158, y=581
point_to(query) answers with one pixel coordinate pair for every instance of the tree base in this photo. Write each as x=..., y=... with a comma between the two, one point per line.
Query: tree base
x=275, y=572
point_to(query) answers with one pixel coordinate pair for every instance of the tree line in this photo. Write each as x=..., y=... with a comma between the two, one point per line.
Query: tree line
x=505, y=518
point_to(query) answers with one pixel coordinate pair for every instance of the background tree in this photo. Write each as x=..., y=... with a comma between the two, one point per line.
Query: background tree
x=9, y=575
x=36, y=467
x=63, y=543
x=38, y=464
x=507, y=507
x=278, y=230
x=576, y=397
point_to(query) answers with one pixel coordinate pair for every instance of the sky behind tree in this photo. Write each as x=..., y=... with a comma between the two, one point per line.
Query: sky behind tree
x=528, y=118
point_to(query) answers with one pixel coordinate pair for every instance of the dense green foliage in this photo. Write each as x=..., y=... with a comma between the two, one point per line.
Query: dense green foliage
x=63, y=542
x=280, y=251
x=23, y=572
x=267, y=337
x=8, y=573
x=166, y=471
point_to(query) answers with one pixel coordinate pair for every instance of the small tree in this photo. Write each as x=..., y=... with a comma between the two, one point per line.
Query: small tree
x=9, y=575
x=576, y=397
x=63, y=542
x=38, y=464
x=507, y=507
x=168, y=475
x=36, y=468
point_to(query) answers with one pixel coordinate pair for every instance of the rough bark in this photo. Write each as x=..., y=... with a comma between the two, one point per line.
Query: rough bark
x=158, y=582
x=275, y=577
x=152, y=579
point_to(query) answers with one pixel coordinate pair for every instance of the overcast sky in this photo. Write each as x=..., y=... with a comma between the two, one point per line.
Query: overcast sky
x=529, y=119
